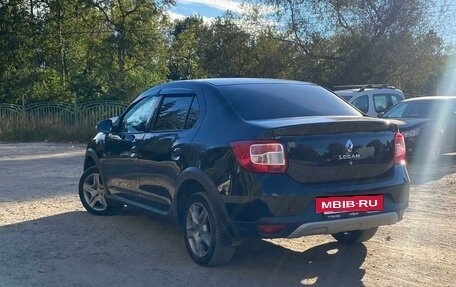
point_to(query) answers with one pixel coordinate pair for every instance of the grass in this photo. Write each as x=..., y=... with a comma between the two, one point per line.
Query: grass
x=39, y=129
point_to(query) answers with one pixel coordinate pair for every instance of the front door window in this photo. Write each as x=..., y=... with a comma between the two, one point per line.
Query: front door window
x=137, y=119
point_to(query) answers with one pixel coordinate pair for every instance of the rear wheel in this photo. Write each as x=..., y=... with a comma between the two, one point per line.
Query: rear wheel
x=204, y=234
x=92, y=193
x=355, y=236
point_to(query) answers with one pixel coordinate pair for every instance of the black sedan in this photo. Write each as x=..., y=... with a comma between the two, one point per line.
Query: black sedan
x=236, y=158
x=428, y=125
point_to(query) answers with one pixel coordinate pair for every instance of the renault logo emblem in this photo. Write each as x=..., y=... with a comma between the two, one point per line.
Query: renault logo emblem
x=349, y=146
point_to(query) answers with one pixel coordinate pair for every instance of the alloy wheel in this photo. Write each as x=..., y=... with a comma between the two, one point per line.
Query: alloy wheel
x=198, y=229
x=94, y=192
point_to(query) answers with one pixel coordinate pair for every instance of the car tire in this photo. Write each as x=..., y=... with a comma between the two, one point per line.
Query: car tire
x=92, y=194
x=205, y=237
x=355, y=236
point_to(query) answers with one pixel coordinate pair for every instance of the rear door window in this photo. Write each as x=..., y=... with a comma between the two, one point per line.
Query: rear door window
x=193, y=114
x=177, y=113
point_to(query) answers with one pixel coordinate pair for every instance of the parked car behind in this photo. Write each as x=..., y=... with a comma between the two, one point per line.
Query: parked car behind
x=428, y=125
x=236, y=158
x=370, y=99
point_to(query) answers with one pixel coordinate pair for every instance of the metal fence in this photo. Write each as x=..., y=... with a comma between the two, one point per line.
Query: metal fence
x=61, y=114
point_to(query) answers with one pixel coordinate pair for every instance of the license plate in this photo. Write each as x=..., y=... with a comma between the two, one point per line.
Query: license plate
x=340, y=204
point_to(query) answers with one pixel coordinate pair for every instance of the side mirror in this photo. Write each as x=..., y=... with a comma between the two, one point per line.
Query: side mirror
x=104, y=126
x=380, y=115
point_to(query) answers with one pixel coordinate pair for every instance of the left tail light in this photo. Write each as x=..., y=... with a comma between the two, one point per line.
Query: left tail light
x=399, y=148
x=260, y=156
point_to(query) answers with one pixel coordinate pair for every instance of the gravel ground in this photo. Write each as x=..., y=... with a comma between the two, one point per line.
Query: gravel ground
x=47, y=239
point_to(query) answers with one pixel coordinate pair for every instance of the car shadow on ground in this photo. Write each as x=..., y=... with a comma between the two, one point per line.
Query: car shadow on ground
x=135, y=248
x=328, y=264
x=422, y=173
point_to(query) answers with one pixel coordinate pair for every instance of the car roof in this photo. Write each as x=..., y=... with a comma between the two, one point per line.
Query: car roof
x=345, y=92
x=352, y=91
x=434, y=98
x=219, y=82
x=242, y=81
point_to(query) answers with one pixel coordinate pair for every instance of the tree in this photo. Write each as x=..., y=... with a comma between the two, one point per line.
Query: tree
x=226, y=49
x=53, y=49
x=133, y=51
x=186, y=49
x=271, y=57
x=18, y=58
x=357, y=41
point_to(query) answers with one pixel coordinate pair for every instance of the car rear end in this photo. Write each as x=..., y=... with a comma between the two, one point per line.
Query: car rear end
x=315, y=174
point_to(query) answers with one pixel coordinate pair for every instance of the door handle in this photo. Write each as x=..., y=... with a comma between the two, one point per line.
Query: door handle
x=133, y=150
x=114, y=136
x=176, y=153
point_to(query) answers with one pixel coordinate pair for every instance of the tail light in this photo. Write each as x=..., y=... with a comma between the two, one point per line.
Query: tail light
x=270, y=229
x=399, y=148
x=260, y=156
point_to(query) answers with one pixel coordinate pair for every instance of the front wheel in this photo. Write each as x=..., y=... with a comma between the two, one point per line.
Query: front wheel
x=92, y=193
x=355, y=236
x=204, y=234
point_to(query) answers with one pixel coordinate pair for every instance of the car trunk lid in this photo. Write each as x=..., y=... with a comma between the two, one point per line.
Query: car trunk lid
x=335, y=148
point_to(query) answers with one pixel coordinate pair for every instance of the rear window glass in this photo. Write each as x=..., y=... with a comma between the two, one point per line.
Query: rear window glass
x=273, y=101
x=420, y=109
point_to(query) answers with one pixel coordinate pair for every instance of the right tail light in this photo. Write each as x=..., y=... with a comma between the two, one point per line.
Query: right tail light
x=399, y=148
x=260, y=156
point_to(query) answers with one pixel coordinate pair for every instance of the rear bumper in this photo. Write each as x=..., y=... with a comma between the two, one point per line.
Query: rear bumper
x=298, y=226
x=293, y=206
x=348, y=224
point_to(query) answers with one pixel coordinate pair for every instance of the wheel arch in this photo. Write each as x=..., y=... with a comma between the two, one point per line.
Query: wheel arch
x=191, y=181
x=91, y=159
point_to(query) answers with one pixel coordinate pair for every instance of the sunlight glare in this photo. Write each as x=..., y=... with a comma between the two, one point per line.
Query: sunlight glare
x=447, y=85
x=309, y=281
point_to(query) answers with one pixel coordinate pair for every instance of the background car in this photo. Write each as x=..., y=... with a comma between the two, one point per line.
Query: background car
x=428, y=125
x=370, y=99
x=236, y=158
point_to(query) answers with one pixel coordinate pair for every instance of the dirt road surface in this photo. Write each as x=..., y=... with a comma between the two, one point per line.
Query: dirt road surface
x=47, y=239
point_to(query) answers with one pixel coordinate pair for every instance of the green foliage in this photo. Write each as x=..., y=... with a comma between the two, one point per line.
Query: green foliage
x=357, y=41
x=187, y=52
x=66, y=50
x=94, y=49
x=16, y=43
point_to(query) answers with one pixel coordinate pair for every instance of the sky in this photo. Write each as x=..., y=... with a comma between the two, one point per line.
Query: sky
x=208, y=9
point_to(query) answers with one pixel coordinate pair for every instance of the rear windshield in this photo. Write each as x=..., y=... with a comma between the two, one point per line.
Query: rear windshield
x=420, y=109
x=273, y=101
